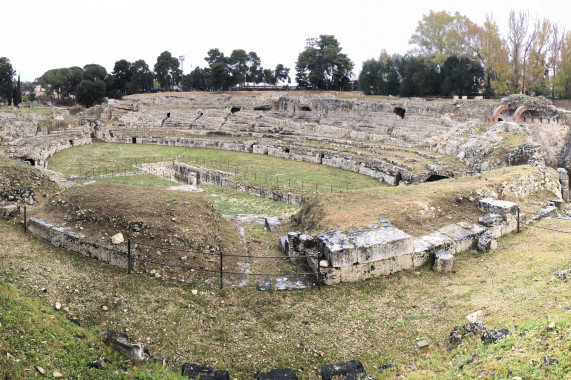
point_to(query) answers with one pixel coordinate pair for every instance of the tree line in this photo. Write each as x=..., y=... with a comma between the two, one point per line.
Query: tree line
x=454, y=56
x=10, y=91
x=451, y=55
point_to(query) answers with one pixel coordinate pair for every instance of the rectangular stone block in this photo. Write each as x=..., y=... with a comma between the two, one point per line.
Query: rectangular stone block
x=464, y=238
x=427, y=244
x=564, y=180
x=9, y=211
x=382, y=243
x=359, y=272
x=329, y=275
x=494, y=206
x=337, y=248
x=365, y=247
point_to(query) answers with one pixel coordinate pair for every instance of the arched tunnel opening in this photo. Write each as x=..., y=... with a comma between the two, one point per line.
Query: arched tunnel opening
x=305, y=108
x=30, y=161
x=399, y=111
x=436, y=177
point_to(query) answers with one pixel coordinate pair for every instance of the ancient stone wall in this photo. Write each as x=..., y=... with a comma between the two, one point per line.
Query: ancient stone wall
x=381, y=249
x=185, y=173
x=13, y=126
x=61, y=237
x=449, y=127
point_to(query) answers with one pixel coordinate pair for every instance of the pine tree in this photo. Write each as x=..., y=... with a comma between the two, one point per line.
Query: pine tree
x=17, y=93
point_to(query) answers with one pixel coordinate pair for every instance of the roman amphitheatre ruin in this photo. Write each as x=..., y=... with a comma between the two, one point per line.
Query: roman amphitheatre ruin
x=407, y=183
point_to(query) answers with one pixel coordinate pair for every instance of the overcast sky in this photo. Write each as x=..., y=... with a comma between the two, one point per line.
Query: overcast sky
x=38, y=35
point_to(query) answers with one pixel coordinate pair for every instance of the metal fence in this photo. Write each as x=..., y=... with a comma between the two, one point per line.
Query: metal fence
x=220, y=255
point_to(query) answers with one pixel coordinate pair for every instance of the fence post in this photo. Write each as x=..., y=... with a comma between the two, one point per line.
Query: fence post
x=318, y=273
x=518, y=219
x=129, y=256
x=25, y=220
x=221, y=257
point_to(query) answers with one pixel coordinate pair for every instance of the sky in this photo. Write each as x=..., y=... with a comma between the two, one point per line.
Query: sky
x=40, y=35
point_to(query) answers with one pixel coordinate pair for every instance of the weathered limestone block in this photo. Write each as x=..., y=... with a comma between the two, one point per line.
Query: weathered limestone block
x=424, y=245
x=9, y=211
x=382, y=243
x=463, y=235
x=359, y=272
x=443, y=261
x=494, y=206
x=131, y=349
x=284, y=244
x=329, y=275
x=487, y=242
x=292, y=242
x=62, y=237
x=491, y=220
x=117, y=239
x=290, y=283
x=550, y=211
x=508, y=225
x=271, y=222
x=333, y=244
x=364, y=247
x=564, y=180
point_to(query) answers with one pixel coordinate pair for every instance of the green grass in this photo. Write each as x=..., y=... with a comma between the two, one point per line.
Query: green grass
x=110, y=157
x=141, y=180
x=231, y=202
x=252, y=169
x=272, y=172
x=32, y=334
x=226, y=199
x=40, y=111
x=376, y=321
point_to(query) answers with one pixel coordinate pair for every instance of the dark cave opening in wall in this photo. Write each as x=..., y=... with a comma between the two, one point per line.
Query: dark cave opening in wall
x=436, y=177
x=399, y=111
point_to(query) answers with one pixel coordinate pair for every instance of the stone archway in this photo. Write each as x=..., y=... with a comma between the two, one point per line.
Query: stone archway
x=518, y=113
x=497, y=112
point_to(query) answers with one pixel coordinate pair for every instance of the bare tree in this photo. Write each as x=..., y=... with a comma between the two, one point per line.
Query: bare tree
x=527, y=45
x=557, y=40
x=518, y=26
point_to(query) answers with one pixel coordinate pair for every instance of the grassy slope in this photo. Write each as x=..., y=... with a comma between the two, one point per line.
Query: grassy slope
x=376, y=321
x=226, y=199
x=416, y=209
x=14, y=174
x=32, y=334
x=181, y=220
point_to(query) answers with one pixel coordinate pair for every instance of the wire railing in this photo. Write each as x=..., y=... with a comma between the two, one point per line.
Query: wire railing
x=221, y=253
